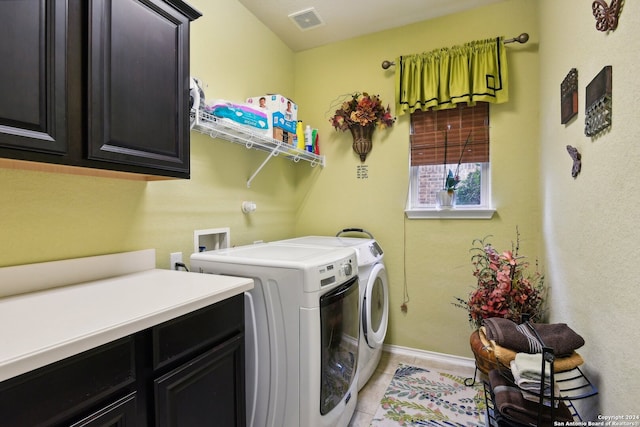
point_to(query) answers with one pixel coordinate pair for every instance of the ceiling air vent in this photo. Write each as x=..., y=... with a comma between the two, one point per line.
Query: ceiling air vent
x=306, y=19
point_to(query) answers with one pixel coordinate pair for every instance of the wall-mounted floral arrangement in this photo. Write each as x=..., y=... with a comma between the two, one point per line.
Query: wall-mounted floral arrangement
x=361, y=114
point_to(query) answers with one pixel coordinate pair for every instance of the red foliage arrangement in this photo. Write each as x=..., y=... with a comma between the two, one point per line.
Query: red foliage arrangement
x=505, y=288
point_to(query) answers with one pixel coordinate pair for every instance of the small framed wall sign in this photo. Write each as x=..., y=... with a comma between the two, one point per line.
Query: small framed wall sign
x=598, y=103
x=569, y=96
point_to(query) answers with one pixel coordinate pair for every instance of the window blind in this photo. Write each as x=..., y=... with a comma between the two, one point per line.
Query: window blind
x=429, y=129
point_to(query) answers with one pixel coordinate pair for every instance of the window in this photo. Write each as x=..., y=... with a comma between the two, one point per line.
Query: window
x=464, y=132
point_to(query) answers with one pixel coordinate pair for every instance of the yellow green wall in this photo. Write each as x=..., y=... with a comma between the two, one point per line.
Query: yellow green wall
x=430, y=256
x=49, y=216
x=590, y=225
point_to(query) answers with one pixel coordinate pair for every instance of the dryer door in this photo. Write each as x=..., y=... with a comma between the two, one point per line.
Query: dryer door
x=375, y=307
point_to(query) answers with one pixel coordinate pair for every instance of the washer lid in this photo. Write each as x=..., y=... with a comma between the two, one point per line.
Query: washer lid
x=276, y=255
x=368, y=251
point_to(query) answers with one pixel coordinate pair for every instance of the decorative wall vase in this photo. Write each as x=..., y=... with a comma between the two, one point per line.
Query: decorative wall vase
x=445, y=199
x=362, y=139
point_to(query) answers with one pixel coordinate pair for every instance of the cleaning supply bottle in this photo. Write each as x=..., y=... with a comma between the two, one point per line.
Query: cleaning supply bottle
x=308, y=139
x=316, y=147
x=300, y=135
x=314, y=139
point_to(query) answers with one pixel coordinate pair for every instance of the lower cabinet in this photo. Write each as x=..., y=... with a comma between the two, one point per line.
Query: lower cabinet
x=188, y=371
x=121, y=413
x=210, y=381
x=62, y=391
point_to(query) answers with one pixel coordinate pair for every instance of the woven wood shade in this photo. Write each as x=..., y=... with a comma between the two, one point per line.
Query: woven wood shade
x=428, y=130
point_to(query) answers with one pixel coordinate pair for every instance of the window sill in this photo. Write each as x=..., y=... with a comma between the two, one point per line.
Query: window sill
x=456, y=213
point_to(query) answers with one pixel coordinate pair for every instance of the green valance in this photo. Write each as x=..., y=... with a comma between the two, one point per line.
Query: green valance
x=442, y=78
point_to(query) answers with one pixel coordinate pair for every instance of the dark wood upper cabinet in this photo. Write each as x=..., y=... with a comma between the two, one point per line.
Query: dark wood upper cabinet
x=33, y=74
x=100, y=84
x=139, y=84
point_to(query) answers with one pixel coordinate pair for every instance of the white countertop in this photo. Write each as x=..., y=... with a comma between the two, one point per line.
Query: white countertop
x=42, y=327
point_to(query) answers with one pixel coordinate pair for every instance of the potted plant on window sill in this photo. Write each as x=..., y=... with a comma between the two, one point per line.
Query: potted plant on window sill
x=446, y=198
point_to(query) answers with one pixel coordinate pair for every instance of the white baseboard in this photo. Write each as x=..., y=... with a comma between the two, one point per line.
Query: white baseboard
x=430, y=355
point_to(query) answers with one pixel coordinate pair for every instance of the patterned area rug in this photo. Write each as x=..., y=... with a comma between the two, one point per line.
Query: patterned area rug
x=420, y=397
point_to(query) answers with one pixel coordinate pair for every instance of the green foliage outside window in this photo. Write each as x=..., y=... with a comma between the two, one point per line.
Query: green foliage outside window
x=468, y=190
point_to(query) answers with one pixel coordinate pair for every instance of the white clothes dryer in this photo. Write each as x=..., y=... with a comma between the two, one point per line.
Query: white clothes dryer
x=374, y=294
x=301, y=331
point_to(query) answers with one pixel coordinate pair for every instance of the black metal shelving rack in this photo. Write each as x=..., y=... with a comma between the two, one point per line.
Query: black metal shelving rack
x=573, y=385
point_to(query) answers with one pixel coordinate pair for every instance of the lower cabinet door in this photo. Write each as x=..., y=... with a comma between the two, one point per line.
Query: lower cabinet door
x=208, y=390
x=70, y=388
x=121, y=413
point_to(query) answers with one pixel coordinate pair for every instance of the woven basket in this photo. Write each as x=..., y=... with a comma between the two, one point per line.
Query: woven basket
x=485, y=358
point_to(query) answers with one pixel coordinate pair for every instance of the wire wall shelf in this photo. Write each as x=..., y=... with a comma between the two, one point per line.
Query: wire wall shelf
x=215, y=127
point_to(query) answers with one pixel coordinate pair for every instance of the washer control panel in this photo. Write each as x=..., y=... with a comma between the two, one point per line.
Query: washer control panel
x=338, y=271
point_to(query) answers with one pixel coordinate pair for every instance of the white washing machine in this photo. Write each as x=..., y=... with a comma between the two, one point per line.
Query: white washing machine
x=301, y=331
x=374, y=294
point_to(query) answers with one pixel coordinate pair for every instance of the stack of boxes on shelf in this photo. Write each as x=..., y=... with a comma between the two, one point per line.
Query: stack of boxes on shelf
x=286, y=126
x=284, y=112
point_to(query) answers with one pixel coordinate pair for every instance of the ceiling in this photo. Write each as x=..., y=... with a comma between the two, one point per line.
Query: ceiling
x=345, y=19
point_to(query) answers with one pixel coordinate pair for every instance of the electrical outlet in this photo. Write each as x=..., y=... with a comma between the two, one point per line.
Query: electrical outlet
x=174, y=257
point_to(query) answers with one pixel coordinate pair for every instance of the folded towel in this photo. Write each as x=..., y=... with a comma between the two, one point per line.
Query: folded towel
x=558, y=336
x=529, y=366
x=513, y=406
x=535, y=397
x=505, y=355
x=528, y=383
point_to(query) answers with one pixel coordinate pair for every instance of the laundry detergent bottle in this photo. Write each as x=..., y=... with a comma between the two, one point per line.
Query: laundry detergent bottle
x=300, y=135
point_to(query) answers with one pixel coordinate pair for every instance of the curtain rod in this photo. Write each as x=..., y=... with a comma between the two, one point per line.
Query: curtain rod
x=522, y=38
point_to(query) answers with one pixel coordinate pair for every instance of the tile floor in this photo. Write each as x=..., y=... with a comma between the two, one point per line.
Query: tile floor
x=371, y=394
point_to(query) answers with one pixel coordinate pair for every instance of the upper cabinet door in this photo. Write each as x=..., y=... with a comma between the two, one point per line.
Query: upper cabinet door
x=33, y=76
x=138, y=111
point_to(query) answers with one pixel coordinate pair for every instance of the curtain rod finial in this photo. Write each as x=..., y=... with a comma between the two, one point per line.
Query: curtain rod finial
x=386, y=64
x=522, y=38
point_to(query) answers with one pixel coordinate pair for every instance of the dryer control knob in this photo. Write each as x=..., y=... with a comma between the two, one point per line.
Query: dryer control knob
x=348, y=269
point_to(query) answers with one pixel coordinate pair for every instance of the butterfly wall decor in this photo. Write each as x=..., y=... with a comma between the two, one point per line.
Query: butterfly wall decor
x=577, y=160
x=606, y=14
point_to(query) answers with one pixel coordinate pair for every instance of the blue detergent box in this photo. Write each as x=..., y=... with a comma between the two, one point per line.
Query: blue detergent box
x=284, y=110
